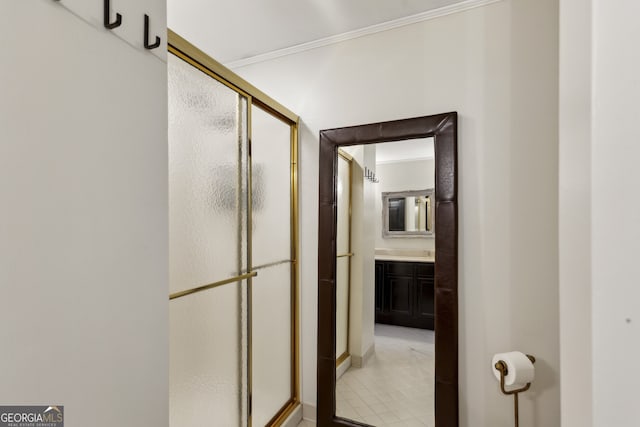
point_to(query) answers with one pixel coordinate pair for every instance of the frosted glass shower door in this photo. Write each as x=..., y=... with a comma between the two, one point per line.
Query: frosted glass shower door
x=271, y=290
x=232, y=250
x=208, y=218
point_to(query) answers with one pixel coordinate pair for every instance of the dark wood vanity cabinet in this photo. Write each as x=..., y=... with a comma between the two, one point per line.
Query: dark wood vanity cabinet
x=404, y=293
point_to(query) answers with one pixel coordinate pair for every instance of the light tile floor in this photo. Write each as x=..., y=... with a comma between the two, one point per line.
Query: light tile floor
x=395, y=388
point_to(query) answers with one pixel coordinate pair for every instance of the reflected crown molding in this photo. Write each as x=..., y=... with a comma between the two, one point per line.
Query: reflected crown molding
x=417, y=159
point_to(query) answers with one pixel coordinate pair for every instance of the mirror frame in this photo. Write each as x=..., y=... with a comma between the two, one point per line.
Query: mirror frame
x=444, y=129
x=388, y=234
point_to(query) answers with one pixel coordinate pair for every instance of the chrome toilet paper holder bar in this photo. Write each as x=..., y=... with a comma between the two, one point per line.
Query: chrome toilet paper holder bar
x=504, y=371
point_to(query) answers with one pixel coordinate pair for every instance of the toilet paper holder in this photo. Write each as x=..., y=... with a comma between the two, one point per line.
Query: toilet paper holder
x=504, y=371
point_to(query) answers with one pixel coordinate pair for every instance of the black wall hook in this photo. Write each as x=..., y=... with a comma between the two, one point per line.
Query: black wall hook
x=107, y=24
x=146, y=35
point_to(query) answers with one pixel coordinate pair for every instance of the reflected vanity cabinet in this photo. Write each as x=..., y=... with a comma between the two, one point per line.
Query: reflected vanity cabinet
x=404, y=293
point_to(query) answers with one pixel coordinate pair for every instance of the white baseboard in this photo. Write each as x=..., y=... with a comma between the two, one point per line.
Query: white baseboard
x=342, y=368
x=370, y=352
x=309, y=412
x=294, y=419
x=360, y=361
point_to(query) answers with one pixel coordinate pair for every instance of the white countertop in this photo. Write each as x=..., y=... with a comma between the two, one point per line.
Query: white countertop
x=405, y=258
x=409, y=255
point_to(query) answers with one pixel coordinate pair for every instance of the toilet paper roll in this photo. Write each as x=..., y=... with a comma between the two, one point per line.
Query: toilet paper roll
x=520, y=369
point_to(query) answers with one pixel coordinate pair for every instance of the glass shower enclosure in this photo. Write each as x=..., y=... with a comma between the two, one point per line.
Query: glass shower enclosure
x=233, y=247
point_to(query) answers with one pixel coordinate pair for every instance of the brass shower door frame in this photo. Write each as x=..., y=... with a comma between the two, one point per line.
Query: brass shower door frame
x=187, y=52
x=349, y=255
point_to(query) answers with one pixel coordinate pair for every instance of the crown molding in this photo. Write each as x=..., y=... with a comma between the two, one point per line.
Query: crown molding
x=377, y=28
x=414, y=159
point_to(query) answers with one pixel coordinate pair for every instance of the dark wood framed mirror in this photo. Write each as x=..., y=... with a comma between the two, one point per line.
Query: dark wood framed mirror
x=443, y=127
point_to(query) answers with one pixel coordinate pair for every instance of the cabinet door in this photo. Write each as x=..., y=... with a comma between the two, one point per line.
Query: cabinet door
x=424, y=307
x=406, y=297
x=400, y=294
x=379, y=286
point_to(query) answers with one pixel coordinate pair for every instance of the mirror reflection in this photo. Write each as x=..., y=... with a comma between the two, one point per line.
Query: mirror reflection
x=384, y=285
x=407, y=213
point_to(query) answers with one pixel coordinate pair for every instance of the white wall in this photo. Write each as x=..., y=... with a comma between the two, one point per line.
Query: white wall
x=83, y=224
x=615, y=210
x=599, y=231
x=402, y=176
x=362, y=300
x=498, y=67
x=368, y=260
x=356, y=303
x=575, y=213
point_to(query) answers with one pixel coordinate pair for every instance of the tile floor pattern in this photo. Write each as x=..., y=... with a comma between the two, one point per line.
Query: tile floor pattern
x=395, y=388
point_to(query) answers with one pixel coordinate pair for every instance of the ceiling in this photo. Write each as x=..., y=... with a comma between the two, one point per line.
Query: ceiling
x=413, y=149
x=232, y=30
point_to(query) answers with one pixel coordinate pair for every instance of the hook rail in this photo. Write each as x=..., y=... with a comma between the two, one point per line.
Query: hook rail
x=146, y=35
x=107, y=24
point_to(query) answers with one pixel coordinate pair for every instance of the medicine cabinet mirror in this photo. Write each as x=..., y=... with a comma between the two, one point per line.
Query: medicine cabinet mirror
x=407, y=213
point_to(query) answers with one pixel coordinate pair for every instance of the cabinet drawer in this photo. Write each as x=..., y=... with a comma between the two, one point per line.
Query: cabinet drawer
x=425, y=269
x=397, y=268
